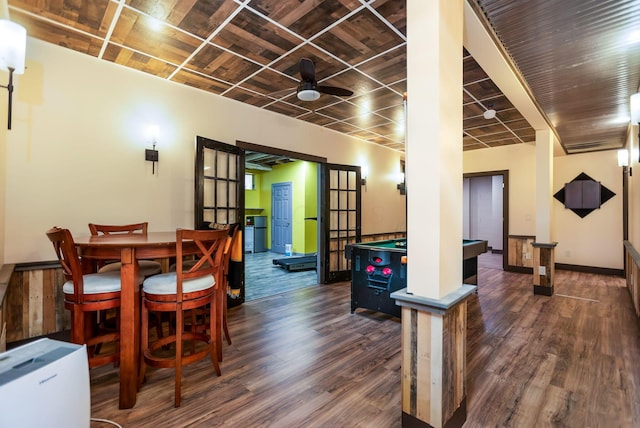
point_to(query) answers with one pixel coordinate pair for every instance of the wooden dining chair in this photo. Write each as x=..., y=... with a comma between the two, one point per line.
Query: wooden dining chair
x=201, y=316
x=180, y=292
x=146, y=267
x=85, y=296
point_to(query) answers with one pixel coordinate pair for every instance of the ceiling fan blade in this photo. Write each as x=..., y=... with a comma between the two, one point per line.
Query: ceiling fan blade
x=307, y=70
x=332, y=90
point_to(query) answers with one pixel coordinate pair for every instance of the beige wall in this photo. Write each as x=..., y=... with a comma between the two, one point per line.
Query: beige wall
x=76, y=153
x=595, y=240
x=519, y=160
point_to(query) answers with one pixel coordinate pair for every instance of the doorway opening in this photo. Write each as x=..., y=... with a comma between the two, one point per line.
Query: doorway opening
x=486, y=214
x=281, y=227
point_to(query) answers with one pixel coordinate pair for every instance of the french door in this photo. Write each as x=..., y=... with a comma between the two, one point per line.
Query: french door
x=219, y=198
x=340, y=220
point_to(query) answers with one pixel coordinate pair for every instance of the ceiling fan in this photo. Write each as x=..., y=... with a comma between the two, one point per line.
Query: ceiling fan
x=309, y=90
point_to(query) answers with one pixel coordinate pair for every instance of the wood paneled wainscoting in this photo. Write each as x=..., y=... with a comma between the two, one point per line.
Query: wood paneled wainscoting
x=632, y=272
x=520, y=256
x=5, y=277
x=34, y=302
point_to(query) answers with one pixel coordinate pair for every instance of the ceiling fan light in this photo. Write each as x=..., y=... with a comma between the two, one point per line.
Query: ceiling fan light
x=308, y=95
x=489, y=114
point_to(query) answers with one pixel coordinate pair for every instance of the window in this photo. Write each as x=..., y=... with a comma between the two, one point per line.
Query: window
x=248, y=182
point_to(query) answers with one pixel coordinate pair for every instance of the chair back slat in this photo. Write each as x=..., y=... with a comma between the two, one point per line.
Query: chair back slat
x=124, y=229
x=210, y=245
x=65, y=249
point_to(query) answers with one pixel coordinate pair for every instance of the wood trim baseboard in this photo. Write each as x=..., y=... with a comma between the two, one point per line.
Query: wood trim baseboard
x=591, y=269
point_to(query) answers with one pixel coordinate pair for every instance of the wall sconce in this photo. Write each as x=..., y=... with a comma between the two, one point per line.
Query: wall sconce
x=364, y=172
x=13, y=44
x=402, y=186
x=152, y=154
x=623, y=160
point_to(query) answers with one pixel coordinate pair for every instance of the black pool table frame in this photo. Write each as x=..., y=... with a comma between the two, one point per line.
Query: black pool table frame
x=371, y=290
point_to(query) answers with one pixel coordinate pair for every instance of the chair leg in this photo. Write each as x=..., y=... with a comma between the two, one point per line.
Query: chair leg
x=213, y=323
x=144, y=343
x=179, y=330
x=224, y=321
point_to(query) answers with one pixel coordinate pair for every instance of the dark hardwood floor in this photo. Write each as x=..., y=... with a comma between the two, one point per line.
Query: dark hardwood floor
x=300, y=359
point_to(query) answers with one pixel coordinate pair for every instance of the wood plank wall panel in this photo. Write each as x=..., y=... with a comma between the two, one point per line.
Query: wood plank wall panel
x=633, y=276
x=520, y=248
x=5, y=277
x=383, y=236
x=34, y=304
x=434, y=364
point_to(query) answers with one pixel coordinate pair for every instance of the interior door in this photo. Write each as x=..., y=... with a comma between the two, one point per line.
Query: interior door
x=340, y=220
x=219, y=198
x=281, y=217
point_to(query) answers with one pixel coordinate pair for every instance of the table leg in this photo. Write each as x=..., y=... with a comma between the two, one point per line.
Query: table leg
x=129, y=331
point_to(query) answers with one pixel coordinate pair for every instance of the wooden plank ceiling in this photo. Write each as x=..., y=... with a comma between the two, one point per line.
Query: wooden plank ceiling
x=249, y=51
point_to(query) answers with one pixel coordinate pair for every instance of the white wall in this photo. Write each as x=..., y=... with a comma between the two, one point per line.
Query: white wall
x=594, y=241
x=76, y=151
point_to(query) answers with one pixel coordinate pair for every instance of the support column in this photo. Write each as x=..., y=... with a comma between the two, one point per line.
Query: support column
x=543, y=268
x=434, y=358
x=434, y=309
x=543, y=248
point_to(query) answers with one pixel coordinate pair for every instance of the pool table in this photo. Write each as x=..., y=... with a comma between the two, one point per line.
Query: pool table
x=379, y=268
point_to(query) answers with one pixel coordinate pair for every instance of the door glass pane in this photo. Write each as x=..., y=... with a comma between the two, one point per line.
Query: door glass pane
x=222, y=170
x=343, y=219
x=352, y=180
x=333, y=199
x=209, y=162
x=352, y=220
x=207, y=215
x=221, y=217
x=222, y=201
x=208, y=193
x=333, y=179
x=233, y=201
x=233, y=166
x=343, y=200
x=352, y=200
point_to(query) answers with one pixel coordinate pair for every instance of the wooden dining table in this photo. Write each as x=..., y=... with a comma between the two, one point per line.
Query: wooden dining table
x=128, y=249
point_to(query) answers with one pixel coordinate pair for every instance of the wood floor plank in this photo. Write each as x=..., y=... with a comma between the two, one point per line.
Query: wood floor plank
x=301, y=359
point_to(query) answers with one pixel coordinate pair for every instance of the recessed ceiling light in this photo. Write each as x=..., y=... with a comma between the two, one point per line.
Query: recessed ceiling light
x=489, y=114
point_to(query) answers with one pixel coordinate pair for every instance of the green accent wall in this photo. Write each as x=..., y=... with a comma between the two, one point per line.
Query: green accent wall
x=303, y=177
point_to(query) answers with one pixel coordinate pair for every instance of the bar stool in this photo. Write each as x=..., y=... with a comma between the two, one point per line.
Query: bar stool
x=84, y=296
x=186, y=289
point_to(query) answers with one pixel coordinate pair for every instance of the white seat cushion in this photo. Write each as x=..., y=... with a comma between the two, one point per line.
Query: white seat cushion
x=95, y=283
x=166, y=284
x=145, y=268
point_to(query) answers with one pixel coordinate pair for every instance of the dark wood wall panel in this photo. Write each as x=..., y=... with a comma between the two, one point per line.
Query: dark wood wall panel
x=34, y=304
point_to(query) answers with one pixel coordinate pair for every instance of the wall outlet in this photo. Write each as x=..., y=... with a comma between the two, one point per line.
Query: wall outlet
x=527, y=256
x=542, y=270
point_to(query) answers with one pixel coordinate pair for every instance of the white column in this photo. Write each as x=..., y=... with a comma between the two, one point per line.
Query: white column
x=434, y=146
x=544, y=185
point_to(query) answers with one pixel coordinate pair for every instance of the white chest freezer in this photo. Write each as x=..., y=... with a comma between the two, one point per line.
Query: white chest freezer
x=45, y=383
